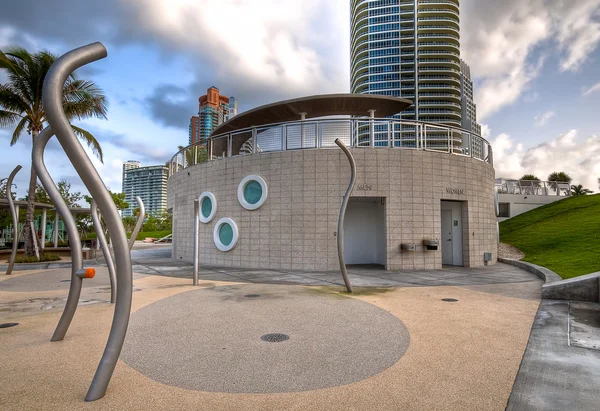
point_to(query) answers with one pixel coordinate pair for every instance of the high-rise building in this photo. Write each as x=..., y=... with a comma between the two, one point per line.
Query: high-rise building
x=410, y=49
x=469, y=108
x=149, y=183
x=213, y=110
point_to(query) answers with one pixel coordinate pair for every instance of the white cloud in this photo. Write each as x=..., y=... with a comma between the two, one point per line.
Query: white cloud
x=543, y=119
x=272, y=46
x=505, y=43
x=579, y=159
x=590, y=90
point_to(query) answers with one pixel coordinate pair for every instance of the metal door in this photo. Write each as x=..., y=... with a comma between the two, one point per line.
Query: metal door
x=447, y=246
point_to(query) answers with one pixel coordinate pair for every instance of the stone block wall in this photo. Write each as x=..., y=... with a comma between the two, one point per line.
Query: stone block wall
x=296, y=227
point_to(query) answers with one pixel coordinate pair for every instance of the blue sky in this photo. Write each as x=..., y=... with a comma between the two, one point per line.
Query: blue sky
x=532, y=63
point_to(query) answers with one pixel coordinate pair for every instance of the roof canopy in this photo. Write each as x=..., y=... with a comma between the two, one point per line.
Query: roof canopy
x=315, y=106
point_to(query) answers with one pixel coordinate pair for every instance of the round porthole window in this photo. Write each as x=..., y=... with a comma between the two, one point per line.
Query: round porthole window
x=225, y=234
x=208, y=207
x=252, y=192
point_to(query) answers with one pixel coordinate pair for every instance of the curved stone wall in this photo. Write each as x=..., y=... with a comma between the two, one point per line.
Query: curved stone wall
x=296, y=226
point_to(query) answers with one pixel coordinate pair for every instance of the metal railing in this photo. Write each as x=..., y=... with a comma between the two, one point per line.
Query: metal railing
x=321, y=134
x=533, y=187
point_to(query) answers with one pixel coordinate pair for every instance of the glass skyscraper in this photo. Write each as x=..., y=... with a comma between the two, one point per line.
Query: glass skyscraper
x=410, y=49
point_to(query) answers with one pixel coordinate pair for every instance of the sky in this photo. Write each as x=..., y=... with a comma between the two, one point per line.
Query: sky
x=535, y=63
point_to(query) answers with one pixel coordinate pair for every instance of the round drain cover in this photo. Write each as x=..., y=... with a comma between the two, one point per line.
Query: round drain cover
x=8, y=325
x=275, y=337
x=449, y=300
x=252, y=295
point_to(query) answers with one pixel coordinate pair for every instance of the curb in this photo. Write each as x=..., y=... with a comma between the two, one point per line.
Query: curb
x=582, y=288
x=47, y=266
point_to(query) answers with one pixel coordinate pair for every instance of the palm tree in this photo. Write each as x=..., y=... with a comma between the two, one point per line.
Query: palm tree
x=578, y=190
x=529, y=177
x=560, y=177
x=21, y=107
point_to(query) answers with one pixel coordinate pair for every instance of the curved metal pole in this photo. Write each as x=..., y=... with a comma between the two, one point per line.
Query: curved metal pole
x=52, y=98
x=105, y=250
x=37, y=157
x=15, y=218
x=139, y=223
x=340, y=230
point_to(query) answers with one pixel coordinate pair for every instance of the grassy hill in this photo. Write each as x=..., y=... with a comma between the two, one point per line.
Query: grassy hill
x=563, y=236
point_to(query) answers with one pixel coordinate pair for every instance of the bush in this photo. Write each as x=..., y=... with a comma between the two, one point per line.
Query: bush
x=43, y=257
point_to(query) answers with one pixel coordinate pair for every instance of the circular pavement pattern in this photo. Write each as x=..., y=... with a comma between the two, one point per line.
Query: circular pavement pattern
x=210, y=340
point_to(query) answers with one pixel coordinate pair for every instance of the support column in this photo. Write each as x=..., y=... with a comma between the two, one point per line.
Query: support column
x=56, y=230
x=372, y=127
x=43, y=228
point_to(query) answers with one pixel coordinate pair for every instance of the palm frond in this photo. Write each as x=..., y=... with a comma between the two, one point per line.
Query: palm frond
x=84, y=99
x=18, y=130
x=8, y=118
x=11, y=99
x=90, y=140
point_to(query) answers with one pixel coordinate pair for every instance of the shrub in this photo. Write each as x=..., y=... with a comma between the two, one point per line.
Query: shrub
x=43, y=257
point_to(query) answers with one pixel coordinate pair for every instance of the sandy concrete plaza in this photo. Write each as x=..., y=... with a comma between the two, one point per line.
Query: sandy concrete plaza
x=385, y=347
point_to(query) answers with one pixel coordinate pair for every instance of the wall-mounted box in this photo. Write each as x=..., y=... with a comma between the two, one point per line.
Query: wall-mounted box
x=431, y=245
x=487, y=257
x=408, y=247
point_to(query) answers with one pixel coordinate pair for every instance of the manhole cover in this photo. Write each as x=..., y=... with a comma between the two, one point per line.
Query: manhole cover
x=449, y=300
x=8, y=325
x=252, y=295
x=275, y=337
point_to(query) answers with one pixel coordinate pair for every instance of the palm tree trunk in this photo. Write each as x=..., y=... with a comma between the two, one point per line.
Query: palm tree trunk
x=28, y=237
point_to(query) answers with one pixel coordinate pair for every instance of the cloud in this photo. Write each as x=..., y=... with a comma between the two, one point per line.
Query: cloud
x=565, y=153
x=172, y=106
x=506, y=43
x=543, y=119
x=590, y=90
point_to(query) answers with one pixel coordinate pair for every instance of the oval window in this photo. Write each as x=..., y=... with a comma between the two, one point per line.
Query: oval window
x=225, y=234
x=208, y=207
x=252, y=192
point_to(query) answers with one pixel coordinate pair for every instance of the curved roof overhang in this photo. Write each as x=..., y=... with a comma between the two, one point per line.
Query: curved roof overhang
x=315, y=106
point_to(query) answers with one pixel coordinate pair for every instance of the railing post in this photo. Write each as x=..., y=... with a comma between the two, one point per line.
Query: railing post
x=210, y=155
x=372, y=127
x=284, y=137
x=389, y=128
x=254, y=140
x=229, y=145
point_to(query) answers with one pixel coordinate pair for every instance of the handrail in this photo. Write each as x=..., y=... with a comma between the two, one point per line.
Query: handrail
x=37, y=158
x=105, y=250
x=463, y=142
x=15, y=218
x=52, y=101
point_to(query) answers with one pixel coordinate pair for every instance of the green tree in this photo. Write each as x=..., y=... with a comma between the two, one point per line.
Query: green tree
x=578, y=190
x=529, y=177
x=558, y=177
x=12, y=192
x=21, y=107
x=118, y=199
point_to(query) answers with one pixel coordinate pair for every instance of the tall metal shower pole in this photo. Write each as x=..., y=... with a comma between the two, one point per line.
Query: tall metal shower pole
x=196, y=233
x=52, y=101
x=15, y=219
x=139, y=223
x=37, y=158
x=340, y=230
x=105, y=250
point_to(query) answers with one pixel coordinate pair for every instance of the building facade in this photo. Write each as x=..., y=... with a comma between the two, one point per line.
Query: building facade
x=411, y=49
x=277, y=205
x=213, y=110
x=149, y=183
x=469, y=108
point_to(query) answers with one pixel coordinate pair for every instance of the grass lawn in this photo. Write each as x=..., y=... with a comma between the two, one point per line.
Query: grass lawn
x=562, y=236
x=142, y=235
